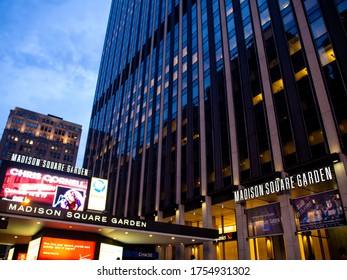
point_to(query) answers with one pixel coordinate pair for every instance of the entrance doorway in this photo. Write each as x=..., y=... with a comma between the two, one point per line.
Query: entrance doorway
x=267, y=248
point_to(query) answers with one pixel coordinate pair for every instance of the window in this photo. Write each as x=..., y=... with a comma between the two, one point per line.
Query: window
x=318, y=28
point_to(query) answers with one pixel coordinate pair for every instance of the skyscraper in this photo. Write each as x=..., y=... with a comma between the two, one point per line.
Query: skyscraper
x=227, y=114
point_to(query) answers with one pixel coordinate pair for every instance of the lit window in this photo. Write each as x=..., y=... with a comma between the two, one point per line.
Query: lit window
x=326, y=55
x=277, y=86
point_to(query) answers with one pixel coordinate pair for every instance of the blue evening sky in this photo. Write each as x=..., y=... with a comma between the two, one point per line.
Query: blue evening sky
x=50, y=53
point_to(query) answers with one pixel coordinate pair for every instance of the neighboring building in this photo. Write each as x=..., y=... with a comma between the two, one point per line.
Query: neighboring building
x=40, y=136
x=227, y=114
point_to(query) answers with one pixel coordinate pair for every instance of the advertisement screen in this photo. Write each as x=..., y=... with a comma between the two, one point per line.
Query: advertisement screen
x=264, y=220
x=49, y=188
x=321, y=210
x=97, y=194
x=33, y=249
x=66, y=249
x=110, y=252
x=10, y=254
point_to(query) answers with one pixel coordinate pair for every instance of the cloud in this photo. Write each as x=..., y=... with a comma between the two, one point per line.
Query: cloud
x=50, y=56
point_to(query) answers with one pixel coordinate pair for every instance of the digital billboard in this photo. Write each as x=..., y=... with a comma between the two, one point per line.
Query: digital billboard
x=33, y=249
x=110, y=252
x=66, y=249
x=24, y=184
x=317, y=211
x=97, y=194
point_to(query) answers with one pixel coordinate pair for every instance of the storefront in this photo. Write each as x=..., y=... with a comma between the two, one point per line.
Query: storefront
x=64, y=212
x=317, y=215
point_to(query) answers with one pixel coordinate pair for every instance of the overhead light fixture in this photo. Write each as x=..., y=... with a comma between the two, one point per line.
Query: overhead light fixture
x=335, y=157
x=278, y=175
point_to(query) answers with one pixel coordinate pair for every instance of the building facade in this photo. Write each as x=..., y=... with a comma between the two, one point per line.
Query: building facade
x=227, y=114
x=36, y=135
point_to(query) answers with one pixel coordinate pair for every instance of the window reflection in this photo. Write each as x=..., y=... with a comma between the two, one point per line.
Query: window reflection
x=264, y=17
x=318, y=28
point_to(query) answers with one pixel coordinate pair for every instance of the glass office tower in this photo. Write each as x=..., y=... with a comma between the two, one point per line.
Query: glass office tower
x=227, y=114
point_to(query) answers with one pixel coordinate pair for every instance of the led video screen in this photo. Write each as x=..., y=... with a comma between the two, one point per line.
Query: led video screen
x=110, y=252
x=45, y=187
x=66, y=249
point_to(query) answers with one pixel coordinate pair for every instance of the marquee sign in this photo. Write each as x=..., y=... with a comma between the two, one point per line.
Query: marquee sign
x=51, y=213
x=47, y=187
x=73, y=216
x=284, y=184
x=49, y=164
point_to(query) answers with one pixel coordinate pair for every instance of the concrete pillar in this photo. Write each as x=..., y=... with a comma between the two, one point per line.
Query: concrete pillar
x=208, y=247
x=179, y=249
x=242, y=234
x=289, y=228
x=209, y=251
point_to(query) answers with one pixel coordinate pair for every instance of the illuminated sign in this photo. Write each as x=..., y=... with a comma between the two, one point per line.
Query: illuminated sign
x=33, y=249
x=140, y=255
x=49, y=164
x=284, y=184
x=74, y=216
x=22, y=256
x=97, y=194
x=227, y=237
x=66, y=249
x=26, y=185
x=317, y=211
x=110, y=252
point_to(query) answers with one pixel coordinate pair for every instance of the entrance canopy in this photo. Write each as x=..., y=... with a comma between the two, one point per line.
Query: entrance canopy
x=20, y=222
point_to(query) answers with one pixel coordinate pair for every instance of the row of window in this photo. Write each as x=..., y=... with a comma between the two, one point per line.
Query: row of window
x=10, y=146
x=31, y=141
x=35, y=125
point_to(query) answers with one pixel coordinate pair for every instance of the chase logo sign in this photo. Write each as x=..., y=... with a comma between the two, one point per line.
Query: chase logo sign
x=99, y=185
x=98, y=194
